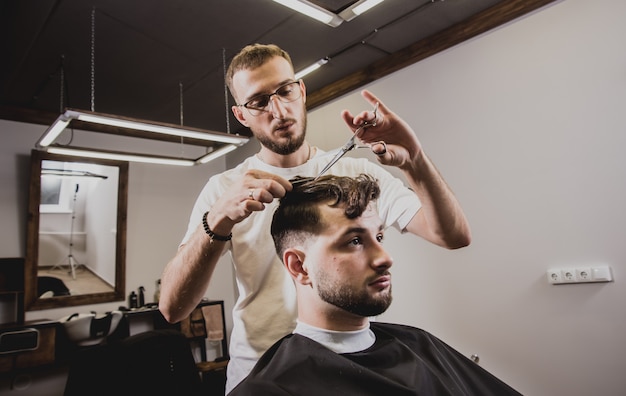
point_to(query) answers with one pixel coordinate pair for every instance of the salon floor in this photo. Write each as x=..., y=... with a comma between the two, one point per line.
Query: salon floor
x=86, y=282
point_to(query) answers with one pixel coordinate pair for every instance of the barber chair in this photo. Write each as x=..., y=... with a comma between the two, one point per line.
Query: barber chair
x=157, y=362
x=51, y=286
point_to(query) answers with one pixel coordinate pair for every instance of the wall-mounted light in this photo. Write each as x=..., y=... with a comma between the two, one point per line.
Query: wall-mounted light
x=143, y=129
x=323, y=15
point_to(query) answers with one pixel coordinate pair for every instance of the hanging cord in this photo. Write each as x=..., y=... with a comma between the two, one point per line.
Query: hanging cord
x=226, y=92
x=62, y=87
x=62, y=95
x=180, y=93
x=93, y=59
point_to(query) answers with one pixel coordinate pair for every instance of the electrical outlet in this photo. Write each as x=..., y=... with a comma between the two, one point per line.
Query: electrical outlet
x=554, y=276
x=568, y=275
x=595, y=274
x=583, y=274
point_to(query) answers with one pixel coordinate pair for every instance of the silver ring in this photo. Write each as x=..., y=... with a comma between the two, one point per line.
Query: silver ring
x=251, y=194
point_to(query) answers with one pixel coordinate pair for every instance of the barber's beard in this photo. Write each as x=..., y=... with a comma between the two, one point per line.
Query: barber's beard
x=282, y=146
x=358, y=302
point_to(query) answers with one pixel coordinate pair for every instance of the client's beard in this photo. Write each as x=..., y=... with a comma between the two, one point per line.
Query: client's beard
x=357, y=302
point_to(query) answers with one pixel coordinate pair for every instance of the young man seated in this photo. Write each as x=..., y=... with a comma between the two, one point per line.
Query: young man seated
x=329, y=236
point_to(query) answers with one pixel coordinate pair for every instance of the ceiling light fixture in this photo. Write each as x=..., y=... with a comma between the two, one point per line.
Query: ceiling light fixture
x=216, y=153
x=358, y=8
x=220, y=143
x=119, y=156
x=64, y=120
x=138, y=128
x=311, y=68
x=314, y=11
x=323, y=15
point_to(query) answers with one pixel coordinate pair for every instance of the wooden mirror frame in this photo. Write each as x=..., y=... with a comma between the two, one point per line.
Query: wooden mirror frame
x=32, y=302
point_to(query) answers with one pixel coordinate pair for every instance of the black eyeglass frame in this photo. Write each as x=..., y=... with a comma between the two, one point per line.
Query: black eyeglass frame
x=256, y=111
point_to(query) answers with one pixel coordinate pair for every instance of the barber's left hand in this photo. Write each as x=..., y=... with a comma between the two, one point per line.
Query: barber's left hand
x=403, y=146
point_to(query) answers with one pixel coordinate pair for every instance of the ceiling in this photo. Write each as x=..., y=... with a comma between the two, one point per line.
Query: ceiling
x=163, y=60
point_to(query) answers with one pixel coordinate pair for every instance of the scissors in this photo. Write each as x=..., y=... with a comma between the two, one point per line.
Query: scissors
x=351, y=143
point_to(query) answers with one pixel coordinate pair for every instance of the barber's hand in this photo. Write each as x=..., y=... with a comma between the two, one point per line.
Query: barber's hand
x=250, y=194
x=401, y=141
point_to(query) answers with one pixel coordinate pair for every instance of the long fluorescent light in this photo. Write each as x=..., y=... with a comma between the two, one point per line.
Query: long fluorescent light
x=54, y=131
x=64, y=120
x=197, y=136
x=119, y=156
x=358, y=8
x=323, y=15
x=311, y=68
x=216, y=153
x=145, y=158
x=311, y=10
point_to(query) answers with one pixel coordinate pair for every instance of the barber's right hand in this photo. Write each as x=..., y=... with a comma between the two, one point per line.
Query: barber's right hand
x=401, y=146
x=250, y=194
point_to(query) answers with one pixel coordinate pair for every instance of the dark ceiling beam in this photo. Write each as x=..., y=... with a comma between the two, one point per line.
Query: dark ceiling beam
x=480, y=23
x=22, y=114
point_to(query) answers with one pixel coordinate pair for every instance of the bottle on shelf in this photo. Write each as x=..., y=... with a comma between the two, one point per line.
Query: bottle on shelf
x=142, y=299
x=157, y=291
x=132, y=300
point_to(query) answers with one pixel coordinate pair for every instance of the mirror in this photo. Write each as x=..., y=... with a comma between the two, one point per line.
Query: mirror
x=76, y=241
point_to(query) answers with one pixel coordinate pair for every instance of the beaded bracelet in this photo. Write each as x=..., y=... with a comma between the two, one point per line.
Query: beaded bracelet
x=213, y=235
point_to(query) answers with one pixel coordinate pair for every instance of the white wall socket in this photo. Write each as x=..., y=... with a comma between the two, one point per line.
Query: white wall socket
x=583, y=274
x=568, y=275
x=601, y=273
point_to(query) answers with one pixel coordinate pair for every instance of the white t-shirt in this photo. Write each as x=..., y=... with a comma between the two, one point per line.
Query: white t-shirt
x=338, y=341
x=265, y=309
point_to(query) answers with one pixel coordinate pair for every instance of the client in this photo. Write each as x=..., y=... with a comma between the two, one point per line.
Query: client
x=329, y=236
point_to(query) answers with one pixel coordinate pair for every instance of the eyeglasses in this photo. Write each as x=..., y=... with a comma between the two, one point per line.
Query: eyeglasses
x=286, y=93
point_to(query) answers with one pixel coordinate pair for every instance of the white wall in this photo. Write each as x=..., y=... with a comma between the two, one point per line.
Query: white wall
x=527, y=125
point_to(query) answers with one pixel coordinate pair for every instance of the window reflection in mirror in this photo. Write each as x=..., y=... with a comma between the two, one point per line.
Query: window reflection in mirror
x=76, y=231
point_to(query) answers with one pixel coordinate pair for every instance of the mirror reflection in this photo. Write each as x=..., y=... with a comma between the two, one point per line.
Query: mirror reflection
x=76, y=239
x=75, y=248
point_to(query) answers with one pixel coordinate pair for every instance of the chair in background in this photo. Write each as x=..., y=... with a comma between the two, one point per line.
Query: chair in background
x=157, y=362
x=47, y=284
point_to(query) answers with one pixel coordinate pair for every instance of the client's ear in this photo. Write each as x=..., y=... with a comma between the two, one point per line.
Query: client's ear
x=294, y=263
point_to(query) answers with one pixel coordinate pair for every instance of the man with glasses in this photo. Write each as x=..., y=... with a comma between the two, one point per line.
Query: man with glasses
x=234, y=210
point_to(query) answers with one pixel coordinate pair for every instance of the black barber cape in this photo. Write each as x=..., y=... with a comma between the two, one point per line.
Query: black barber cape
x=403, y=361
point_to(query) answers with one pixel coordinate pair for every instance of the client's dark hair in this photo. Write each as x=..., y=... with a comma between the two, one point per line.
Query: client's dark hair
x=298, y=212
